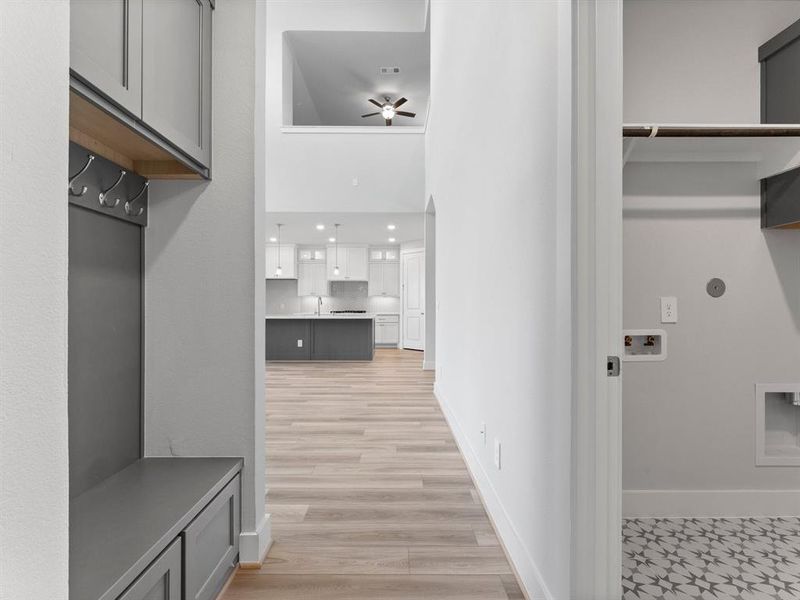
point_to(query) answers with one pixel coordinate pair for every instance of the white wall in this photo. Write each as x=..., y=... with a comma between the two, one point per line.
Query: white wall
x=688, y=422
x=503, y=264
x=203, y=293
x=389, y=165
x=429, y=360
x=695, y=61
x=34, y=470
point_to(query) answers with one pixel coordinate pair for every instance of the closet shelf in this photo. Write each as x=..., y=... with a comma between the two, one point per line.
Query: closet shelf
x=775, y=149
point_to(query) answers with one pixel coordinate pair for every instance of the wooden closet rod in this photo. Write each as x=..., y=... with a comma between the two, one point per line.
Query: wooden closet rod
x=697, y=131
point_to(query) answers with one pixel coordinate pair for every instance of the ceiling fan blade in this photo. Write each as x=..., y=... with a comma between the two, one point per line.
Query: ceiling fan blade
x=370, y=115
x=376, y=103
x=388, y=122
x=404, y=113
x=400, y=102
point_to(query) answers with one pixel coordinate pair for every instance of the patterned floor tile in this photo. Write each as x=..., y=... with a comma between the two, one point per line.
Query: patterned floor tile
x=711, y=559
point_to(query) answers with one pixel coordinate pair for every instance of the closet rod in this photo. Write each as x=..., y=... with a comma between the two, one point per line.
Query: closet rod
x=711, y=131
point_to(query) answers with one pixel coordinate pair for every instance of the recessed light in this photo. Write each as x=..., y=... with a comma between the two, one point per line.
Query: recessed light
x=331, y=240
x=273, y=239
x=391, y=227
x=392, y=240
x=320, y=227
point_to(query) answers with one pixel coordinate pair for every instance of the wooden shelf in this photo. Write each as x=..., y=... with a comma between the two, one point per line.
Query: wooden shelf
x=98, y=131
x=775, y=149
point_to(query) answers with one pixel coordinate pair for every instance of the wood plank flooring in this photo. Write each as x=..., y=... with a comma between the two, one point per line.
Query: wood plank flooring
x=369, y=495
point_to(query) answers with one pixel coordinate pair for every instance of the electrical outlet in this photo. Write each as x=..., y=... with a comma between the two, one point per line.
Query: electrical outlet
x=669, y=309
x=299, y=343
x=483, y=433
x=497, y=454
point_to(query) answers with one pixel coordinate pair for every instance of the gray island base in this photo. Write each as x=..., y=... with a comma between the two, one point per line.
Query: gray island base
x=301, y=337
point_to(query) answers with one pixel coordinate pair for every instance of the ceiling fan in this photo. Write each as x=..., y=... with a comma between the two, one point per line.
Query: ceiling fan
x=388, y=110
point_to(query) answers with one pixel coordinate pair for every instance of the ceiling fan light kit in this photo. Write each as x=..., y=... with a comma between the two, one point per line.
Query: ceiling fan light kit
x=388, y=110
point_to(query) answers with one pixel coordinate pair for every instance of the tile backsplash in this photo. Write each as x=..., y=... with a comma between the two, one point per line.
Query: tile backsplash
x=282, y=298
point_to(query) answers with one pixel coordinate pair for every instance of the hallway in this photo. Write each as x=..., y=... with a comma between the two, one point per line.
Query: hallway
x=370, y=498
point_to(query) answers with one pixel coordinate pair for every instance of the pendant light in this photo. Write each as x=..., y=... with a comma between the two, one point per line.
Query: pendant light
x=279, y=270
x=336, y=264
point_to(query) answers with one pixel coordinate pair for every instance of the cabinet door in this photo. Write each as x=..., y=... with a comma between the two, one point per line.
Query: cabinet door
x=289, y=261
x=379, y=329
x=356, y=263
x=105, y=48
x=391, y=279
x=391, y=333
x=211, y=544
x=375, y=282
x=270, y=261
x=305, y=279
x=161, y=580
x=320, y=287
x=176, y=73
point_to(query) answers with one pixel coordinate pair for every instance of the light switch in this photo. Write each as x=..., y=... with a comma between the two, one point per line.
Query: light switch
x=299, y=343
x=669, y=309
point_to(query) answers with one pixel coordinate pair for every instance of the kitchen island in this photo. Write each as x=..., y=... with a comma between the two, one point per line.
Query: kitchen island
x=320, y=337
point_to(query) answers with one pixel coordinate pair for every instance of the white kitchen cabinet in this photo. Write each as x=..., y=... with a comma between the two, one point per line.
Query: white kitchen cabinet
x=384, y=279
x=312, y=279
x=311, y=254
x=387, y=330
x=288, y=261
x=352, y=262
x=384, y=254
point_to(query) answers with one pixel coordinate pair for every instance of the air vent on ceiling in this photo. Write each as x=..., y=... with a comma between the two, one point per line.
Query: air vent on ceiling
x=389, y=70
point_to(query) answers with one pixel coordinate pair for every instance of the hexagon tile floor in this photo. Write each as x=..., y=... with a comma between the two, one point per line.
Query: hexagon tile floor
x=711, y=559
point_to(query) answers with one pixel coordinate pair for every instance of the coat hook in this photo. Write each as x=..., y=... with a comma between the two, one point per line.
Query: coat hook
x=129, y=203
x=104, y=193
x=72, y=192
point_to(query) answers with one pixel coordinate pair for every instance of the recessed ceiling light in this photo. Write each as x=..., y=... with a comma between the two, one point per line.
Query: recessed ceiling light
x=320, y=227
x=392, y=240
x=331, y=240
x=273, y=239
x=391, y=227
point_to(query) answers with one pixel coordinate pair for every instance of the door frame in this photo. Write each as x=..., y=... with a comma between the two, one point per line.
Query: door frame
x=596, y=569
x=404, y=254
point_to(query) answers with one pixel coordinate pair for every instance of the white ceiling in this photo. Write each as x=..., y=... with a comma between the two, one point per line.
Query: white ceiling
x=336, y=72
x=356, y=228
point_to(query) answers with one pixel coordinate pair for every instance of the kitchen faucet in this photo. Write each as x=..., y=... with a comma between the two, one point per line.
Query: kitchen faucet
x=319, y=305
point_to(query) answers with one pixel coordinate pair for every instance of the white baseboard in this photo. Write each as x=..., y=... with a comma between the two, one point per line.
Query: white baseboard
x=428, y=365
x=528, y=573
x=644, y=504
x=254, y=545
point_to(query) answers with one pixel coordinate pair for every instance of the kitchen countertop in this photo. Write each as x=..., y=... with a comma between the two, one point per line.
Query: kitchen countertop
x=323, y=316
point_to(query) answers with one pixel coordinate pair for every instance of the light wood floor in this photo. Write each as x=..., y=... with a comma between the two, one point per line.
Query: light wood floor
x=370, y=498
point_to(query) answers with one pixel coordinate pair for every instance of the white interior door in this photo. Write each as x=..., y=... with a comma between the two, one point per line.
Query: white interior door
x=413, y=300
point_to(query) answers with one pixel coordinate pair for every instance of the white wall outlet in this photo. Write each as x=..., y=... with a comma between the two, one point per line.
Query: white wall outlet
x=669, y=309
x=483, y=433
x=299, y=343
x=497, y=454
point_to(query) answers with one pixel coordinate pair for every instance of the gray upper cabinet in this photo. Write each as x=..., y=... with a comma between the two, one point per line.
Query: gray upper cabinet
x=176, y=79
x=106, y=49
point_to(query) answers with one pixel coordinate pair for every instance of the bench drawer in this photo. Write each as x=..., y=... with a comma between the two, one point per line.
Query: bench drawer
x=211, y=544
x=161, y=580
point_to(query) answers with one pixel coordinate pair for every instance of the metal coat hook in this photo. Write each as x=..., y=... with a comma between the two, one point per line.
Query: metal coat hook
x=104, y=193
x=72, y=192
x=129, y=203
